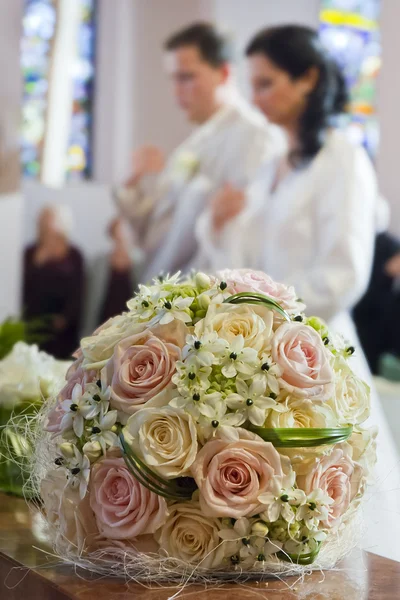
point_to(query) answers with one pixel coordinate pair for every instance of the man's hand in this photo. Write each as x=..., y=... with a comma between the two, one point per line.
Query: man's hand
x=146, y=160
x=226, y=204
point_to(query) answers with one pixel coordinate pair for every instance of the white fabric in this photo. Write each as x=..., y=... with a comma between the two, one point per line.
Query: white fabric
x=229, y=148
x=316, y=231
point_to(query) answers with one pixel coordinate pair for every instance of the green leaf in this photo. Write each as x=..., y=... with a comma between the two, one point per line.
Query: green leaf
x=254, y=298
x=299, y=559
x=181, y=488
x=298, y=437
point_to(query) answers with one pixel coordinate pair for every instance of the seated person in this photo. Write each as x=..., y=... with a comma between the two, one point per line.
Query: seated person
x=376, y=313
x=53, y=285
x=112, y=279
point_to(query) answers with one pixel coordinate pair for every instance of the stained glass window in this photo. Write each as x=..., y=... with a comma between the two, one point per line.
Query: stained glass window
x=41, y=24
x=79, y=154
x=38, y=32
x=350, y=31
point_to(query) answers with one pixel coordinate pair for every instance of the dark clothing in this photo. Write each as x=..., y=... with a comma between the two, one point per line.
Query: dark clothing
x=54, y=289
x=376, y=315
x=119, y=290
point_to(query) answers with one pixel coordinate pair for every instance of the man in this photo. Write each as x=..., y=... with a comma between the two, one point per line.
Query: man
x=229, y=144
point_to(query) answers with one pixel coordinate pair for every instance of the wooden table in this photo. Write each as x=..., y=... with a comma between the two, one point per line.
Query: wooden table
x=28, y=573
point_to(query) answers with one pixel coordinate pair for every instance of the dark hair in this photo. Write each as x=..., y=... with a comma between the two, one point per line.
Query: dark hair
x=214, y=47
x=295, y=49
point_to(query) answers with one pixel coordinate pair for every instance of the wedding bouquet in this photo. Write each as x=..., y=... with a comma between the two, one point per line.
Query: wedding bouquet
x=212, y=428
x=27, y=377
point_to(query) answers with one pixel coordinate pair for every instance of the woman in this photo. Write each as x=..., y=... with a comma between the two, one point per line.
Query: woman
x=53, y=286
x=112, y=278
x=309, y=220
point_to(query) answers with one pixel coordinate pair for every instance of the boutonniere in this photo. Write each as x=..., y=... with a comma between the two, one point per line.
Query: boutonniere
x=186, y=166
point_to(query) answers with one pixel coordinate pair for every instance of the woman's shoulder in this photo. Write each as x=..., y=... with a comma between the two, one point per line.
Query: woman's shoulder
x=342, y=153
x=338, y=143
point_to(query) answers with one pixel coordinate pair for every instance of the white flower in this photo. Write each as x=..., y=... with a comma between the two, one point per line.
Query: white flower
x=214, y=418
x=102, y=431
x=175, y=309
x=79, y=408
x=186, y=165
x=251, y=402
x=27, y=374
x=279, y=502
x=144, y=304
x=270, y=372
x=166, y=438
x=191, y=379
x=239, y=359
x=205, y=350
x=315, y=509
x=78, y=472
x=247, y=542
x=306, y=542
x=92, y=450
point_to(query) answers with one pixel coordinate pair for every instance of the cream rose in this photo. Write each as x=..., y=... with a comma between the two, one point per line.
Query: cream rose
x=300, y=353
x=337, y=475
x=254, y=323
x=98, y=348
x=351, y=398
x=191, y=537
x=232, y=475
x=245, y=280
x=363, y=443
x=166, y=438
x=141, y=369
x=68, y=514
x=124, y=508
x=301, y=412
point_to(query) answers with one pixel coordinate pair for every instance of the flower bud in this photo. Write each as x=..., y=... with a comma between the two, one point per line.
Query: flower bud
x=260, y=528
x=202, y=280
x=92, y=450
x=203, y=301
x=67, y=450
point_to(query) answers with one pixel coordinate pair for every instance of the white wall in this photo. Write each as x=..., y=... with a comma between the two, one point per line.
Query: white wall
x=10, y=200
x=389, y=110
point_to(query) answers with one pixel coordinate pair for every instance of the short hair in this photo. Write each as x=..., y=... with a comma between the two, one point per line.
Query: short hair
x=214, y=47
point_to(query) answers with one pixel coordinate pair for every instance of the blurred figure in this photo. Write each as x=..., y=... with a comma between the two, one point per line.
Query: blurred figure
x=310, y=217
x=53, y=285
x=227, y=147
x=310, y=220
x=376, y=314
x=112, y=279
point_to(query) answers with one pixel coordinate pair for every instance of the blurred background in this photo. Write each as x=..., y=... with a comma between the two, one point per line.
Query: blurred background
x=84, y=84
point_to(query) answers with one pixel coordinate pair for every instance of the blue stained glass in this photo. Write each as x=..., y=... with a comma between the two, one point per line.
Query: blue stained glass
x=38, y=30
x=350, y=31
x=79, y=156
x=39, y=27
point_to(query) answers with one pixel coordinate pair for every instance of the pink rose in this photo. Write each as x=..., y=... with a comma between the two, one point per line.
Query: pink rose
x=304, y=361
x=338, y=476
x=73, y=517
x=245, y=280
x=75, y=374
x=141, y=368
x=124, y=508
x=232, y=475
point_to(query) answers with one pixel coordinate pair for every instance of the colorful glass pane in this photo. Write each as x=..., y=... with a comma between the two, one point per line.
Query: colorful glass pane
x=79, y=155
x=350, y=31
x=38, y=31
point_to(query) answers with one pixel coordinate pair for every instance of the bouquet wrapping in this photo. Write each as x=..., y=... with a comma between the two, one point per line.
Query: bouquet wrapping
x=211, y=430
